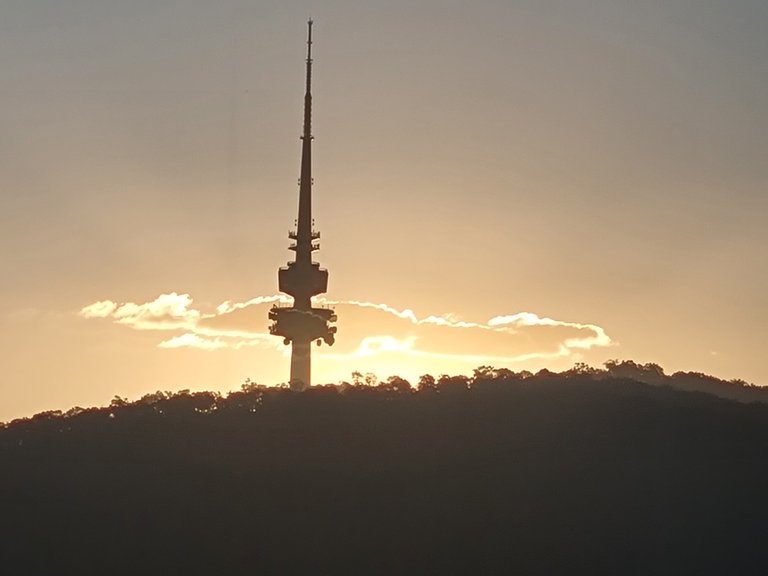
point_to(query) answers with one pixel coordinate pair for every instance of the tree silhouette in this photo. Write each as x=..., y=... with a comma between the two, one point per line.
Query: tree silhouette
x=584, y=472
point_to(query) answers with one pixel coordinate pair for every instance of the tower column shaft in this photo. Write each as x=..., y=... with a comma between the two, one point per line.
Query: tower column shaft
x=301, y=357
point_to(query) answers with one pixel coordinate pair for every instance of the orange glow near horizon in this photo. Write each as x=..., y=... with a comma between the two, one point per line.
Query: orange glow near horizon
x=524, y=185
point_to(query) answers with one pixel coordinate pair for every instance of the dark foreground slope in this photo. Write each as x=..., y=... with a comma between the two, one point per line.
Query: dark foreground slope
x=548, y=475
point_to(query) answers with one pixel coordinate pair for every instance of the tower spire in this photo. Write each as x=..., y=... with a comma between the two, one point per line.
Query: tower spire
x=301, y=323
x=308, y=92
x=304, y=238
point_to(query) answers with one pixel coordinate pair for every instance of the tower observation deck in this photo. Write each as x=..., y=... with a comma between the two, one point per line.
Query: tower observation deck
x=302, y=324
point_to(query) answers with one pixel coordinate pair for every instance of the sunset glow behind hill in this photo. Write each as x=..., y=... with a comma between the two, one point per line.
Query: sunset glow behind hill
x=525, y=185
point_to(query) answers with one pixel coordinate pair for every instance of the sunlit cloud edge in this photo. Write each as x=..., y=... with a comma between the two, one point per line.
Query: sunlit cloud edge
x=174, y=312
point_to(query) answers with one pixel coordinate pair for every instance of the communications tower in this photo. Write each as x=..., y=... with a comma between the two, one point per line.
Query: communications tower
x=302, y=324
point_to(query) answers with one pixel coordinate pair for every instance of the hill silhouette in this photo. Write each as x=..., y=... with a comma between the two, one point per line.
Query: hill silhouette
x=583, y=472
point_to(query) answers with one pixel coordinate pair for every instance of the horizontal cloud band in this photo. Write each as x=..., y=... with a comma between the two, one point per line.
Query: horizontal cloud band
x=368, y=330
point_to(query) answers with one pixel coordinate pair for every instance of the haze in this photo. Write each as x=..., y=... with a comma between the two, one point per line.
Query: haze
x=539, y=183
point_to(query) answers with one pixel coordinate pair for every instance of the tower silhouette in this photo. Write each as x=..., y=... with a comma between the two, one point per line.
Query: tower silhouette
x=301, y=324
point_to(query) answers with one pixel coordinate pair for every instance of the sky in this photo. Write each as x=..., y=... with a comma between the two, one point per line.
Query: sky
x=524, y=184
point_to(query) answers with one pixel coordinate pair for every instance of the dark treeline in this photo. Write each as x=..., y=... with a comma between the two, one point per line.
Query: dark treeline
x=611, y=471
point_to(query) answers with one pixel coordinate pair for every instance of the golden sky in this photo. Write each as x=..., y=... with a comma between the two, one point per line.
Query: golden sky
x=525, y=184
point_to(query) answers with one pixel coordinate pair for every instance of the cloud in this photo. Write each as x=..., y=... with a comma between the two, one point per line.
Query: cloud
x=594, y=335
x=102, y=309
x=372, y=345
x=166, y=312
x=367, y=330
x=375, y=329
x=191, y=340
